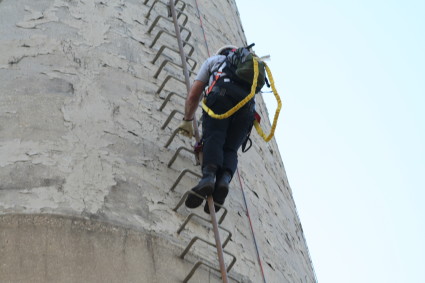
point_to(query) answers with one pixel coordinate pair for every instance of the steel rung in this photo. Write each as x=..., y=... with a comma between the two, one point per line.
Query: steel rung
x=177, y=153
x=155, y=22
x=183, y=24
x=180, y=11
x=161, y=67
x=168, y=99
x=162, y=48
x=198, y=264
x=169, y=77
x=196, y=238
x=170, y=116
x=181, y=175
x=185, y=42
x=229, y=236
x=173, y=135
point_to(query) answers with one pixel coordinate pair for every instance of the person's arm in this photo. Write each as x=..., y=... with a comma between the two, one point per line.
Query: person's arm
x=192, y=100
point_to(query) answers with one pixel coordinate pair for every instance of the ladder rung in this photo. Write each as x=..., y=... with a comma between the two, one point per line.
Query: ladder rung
x=185, y=42
x=162, y=48
x=173, y=135
x=177, y=153
x=171, y=62
x=197, y=265
x=181, y=175
x=180, y=11
x=168, y=99
x=169, y=77
x=155, y=22
x=196, y=238
x=207, y=220
x=170, y=116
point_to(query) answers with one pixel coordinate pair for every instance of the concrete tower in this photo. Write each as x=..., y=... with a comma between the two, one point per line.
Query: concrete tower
x=86, y=184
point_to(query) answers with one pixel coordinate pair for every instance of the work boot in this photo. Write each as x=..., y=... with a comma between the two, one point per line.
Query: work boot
x=221, y=190
x=204, y=188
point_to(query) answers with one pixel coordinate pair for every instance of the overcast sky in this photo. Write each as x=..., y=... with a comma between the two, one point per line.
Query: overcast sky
x=351, y=74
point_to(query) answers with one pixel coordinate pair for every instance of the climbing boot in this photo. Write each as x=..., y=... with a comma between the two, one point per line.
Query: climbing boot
x=221, y=189
x=204, y=188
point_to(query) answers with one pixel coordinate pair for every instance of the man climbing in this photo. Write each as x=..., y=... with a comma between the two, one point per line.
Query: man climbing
x=221, y=137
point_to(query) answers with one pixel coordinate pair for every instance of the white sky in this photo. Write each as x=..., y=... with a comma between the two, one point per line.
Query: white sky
x=351, y=74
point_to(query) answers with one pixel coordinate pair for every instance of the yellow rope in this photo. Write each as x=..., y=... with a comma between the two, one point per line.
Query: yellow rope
x=237, y=106
x=276, y=114
x=248, y=98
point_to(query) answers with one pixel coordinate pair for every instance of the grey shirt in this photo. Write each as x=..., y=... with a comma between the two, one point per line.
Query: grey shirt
x=209, y=69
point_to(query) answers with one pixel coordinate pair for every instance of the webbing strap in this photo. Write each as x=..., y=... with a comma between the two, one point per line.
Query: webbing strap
x=276, y=114
x=244, y=101
x=240, y=104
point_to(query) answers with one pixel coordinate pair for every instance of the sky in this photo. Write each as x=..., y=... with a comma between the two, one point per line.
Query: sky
x=351, y=133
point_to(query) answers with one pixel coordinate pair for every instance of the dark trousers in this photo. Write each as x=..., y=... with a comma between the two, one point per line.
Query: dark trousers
x=222, y=138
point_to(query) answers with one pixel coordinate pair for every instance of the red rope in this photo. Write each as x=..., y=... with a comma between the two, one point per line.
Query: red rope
x=252, y=229
x=202, y=27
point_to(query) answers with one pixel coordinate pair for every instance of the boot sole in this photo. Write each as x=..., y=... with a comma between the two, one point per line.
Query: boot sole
x=219, y=196
x=193, y=201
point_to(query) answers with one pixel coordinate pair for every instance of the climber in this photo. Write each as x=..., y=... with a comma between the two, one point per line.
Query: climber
x=221, y=137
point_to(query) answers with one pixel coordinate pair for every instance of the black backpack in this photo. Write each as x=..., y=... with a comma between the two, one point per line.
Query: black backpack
x=240, y=67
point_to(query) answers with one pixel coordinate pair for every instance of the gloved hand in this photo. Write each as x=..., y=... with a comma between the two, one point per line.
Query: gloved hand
x=186, y=128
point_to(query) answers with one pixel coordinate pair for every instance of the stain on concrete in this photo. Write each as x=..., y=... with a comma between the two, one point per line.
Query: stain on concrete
x=80, y=131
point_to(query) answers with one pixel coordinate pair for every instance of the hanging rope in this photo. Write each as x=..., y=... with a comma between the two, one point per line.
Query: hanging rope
x=202, y=27
x=276, y=114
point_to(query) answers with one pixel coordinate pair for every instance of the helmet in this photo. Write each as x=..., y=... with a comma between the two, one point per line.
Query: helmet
x=225, y=49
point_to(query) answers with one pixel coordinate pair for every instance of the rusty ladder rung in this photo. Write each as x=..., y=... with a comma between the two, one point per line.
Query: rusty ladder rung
x=166, y=5
x=183, y=24
x=169, y=77
x=177, y=153
x=185, y=42
x=168, y=99
x=162, y=48
x=170, y=116
x=189, y=217
x=161, y=67
x=155, y=22
x=196, y=238
x=181, y=175
x=198, y=264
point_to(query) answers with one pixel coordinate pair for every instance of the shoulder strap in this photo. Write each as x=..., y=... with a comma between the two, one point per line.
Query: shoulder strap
x=217, y=76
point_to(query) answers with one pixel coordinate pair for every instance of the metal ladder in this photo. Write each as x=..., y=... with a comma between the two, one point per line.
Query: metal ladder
x=186, y=60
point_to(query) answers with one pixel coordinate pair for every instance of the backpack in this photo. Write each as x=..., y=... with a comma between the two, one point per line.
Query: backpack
x=240, y=67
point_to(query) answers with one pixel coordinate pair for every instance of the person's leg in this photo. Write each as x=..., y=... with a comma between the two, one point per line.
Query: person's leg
x=214, y=131
x=239, y=126
x=237, y=131
x=214, y=136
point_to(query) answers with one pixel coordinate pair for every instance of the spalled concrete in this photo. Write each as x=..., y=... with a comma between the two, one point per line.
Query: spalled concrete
x=82, y=161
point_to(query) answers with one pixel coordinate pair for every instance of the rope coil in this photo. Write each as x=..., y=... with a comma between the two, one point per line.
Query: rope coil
x=244, y=101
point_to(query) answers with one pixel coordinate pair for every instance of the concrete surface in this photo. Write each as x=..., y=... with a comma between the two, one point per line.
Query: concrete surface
x=81, y=138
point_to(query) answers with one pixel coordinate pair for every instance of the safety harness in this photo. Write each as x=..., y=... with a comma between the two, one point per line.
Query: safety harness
x=247, y=99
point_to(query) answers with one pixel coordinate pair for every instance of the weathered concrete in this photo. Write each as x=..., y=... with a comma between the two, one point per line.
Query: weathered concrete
x=49, y=248
x=80, y=137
